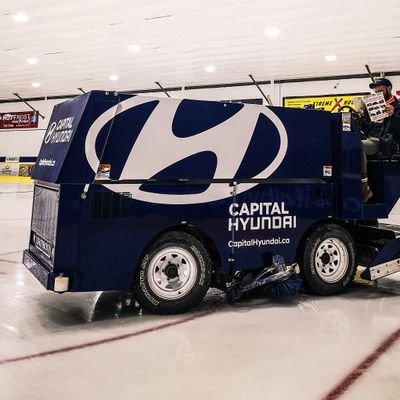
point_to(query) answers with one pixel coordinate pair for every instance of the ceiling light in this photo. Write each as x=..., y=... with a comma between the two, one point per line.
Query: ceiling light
x=114, y=77
x=134, y=48
x=210, y=68
x=20, y=17
x=36, y=84
x=272, y=31
x=32, y=60
x=330, y=58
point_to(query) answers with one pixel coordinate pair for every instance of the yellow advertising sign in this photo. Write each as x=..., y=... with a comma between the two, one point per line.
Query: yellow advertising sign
x=328, y=103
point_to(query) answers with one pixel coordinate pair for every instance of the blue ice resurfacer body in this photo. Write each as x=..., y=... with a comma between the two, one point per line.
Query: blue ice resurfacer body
x=169, y=196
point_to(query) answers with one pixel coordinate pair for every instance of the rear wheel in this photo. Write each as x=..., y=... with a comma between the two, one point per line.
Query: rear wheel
x=328, y=259
x=174, y=274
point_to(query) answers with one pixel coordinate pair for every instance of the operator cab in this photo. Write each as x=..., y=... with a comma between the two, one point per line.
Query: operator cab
x=383, y=172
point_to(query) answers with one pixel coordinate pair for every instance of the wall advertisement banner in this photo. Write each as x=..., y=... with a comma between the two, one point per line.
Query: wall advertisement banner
x=330, y=103
x=19, y=120
x=16, y=169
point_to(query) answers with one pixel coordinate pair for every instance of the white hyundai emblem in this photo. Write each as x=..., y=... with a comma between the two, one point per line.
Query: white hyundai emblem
x=149, y=154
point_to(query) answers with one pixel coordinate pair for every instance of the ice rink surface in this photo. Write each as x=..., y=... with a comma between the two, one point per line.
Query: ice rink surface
x=103, y=346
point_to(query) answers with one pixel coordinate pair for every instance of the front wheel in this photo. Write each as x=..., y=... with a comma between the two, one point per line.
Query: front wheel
x=328, y=260
x=174, y=274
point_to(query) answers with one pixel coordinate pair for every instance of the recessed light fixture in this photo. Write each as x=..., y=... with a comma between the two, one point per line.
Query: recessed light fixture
x=32, y=60
x=21, y=17
x=330, y=58
x=114, y=77
x=210, y=68
x=36, y=84
x=272, y=31
x=134, y=48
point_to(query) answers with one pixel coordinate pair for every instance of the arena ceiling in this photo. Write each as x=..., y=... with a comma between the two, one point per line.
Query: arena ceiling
x=81, y=44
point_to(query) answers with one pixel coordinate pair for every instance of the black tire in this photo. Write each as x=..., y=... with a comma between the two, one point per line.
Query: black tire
x=173, y=275
x=328, y=261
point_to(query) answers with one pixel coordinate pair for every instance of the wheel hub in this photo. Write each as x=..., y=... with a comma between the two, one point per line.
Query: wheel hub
x=325, y=258
x=171, y=271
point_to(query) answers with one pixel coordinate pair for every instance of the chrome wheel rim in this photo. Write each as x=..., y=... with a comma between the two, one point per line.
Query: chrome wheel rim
x=331, y=260
x=172, y=273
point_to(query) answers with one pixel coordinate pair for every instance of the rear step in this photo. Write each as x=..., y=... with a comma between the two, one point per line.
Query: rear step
x=381, y=270
x=387, y=261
